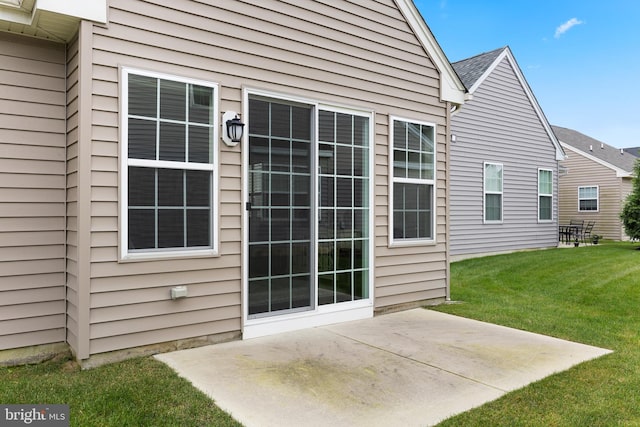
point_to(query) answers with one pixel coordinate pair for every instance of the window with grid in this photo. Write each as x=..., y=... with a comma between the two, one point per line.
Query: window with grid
x=545, y=195
x=169, y=146
x=588, y=199
x=412, y=189
x=493, y=192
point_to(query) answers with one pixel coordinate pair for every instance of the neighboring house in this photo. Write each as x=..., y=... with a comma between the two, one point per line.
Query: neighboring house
x=596, y=182
x=504, y=162
x=118, y=196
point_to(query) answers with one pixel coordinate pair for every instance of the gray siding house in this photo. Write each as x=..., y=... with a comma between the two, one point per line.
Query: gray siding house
x=131, y=223
x=504, y=162
x=596, y=182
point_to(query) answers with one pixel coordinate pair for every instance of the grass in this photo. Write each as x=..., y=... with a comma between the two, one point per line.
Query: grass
x=587, y=294
x=137, y=392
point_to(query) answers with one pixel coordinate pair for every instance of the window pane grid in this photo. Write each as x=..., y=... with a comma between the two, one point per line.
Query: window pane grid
x=588, y=198
x=173, y=209
x=493, y=188
x=413, y=180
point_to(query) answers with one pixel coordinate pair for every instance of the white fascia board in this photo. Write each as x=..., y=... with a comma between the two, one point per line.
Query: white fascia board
x=620, y=173
x=451, y=87
x=91, y=10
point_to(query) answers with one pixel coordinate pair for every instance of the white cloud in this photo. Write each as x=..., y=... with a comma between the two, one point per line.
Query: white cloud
x=567, y=26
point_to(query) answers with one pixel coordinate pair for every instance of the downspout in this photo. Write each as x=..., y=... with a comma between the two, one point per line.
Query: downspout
x=449, y=110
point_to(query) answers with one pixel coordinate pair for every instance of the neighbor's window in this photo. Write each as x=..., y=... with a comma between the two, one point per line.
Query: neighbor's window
x=413, y=183
x=169, y=176
x=492, y=192
x=588, y=198
x=545, y=195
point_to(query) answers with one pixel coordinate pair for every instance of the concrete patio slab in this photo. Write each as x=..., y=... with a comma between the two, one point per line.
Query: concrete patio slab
x=412, y=368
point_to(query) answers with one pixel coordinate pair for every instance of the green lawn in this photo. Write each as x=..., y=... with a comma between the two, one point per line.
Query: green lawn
x=587, y=294
x=138, y=392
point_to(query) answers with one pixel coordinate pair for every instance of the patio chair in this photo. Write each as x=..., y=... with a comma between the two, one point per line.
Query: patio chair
x=585, y=234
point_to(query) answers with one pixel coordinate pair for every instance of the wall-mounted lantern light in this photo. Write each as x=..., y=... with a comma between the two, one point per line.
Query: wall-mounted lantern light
x=233, y=128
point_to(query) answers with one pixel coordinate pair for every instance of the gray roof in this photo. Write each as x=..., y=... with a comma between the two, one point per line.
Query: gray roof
x=471, y=69
x=633, y=150
x=595, y=148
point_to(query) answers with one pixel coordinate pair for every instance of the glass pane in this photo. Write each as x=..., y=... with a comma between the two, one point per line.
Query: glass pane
x=280, y=225
x=325, y=289
x=399, y=135
x=427, y=139
x=413, y=166
x=170, y=187
x=399, y=164
x=259, y=189
x=301, y=190
x=411, y=225
x=258, y=225
x=300, y=157
x=326, y=191
x=326, y=256
x=280, y=120
x=142, y=186
x=344, y=160
x=143, y=94
x=301, y=117
x=280, y=155
x=493, y=208
x=200, y=144
x=360, y=223
x=493, y=178
x=360, y=287
x=259, y=153
x=326, y=159
x=259, y=265
x=280, y=259
x=343, y=287
x=170, y=228
x=360, y=165
x=280, y=294
x=326, y=224
x=142, y=226
x=359, y=254
x=545, y=207
x=410, y=196
x=300, y=258
x=198, y=227
x=280, y=189
x=301, y=225
x=427, y=166
x=201, y=104
x=172, y=142
x=301, y=291
x=343, y=255
x=344, y=129
x=360, y=131
x=344, y=223
x=414, y=136
x=326, y=128
x=142, y=139
x=258, y=296
x=172, y=100
x=198, y=188
x=360, y=192
x=258, y=117
x=344, y=192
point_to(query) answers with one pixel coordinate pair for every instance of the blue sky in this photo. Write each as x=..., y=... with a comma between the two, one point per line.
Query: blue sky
x=580, y=57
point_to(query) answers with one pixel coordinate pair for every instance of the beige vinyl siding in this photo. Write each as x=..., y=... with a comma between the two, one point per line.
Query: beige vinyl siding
x=500, y=125
x=359, y=54
x=584, y=172
x=32, y=192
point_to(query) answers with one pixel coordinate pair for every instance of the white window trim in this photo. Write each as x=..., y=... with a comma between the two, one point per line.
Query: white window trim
x=323, y=314
x=597, y=187
x=125, y=255
x=546, y=195
x=485, y=192
x=392, y=242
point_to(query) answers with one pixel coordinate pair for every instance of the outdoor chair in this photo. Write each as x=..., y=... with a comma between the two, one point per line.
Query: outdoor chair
x=570, y=233
x=585, y=234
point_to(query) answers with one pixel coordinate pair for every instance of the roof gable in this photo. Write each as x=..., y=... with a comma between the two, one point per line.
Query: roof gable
x=616, y=159
x=451, y=87
x=475, y=70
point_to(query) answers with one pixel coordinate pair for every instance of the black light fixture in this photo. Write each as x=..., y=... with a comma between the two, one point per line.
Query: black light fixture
x=234, y=128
